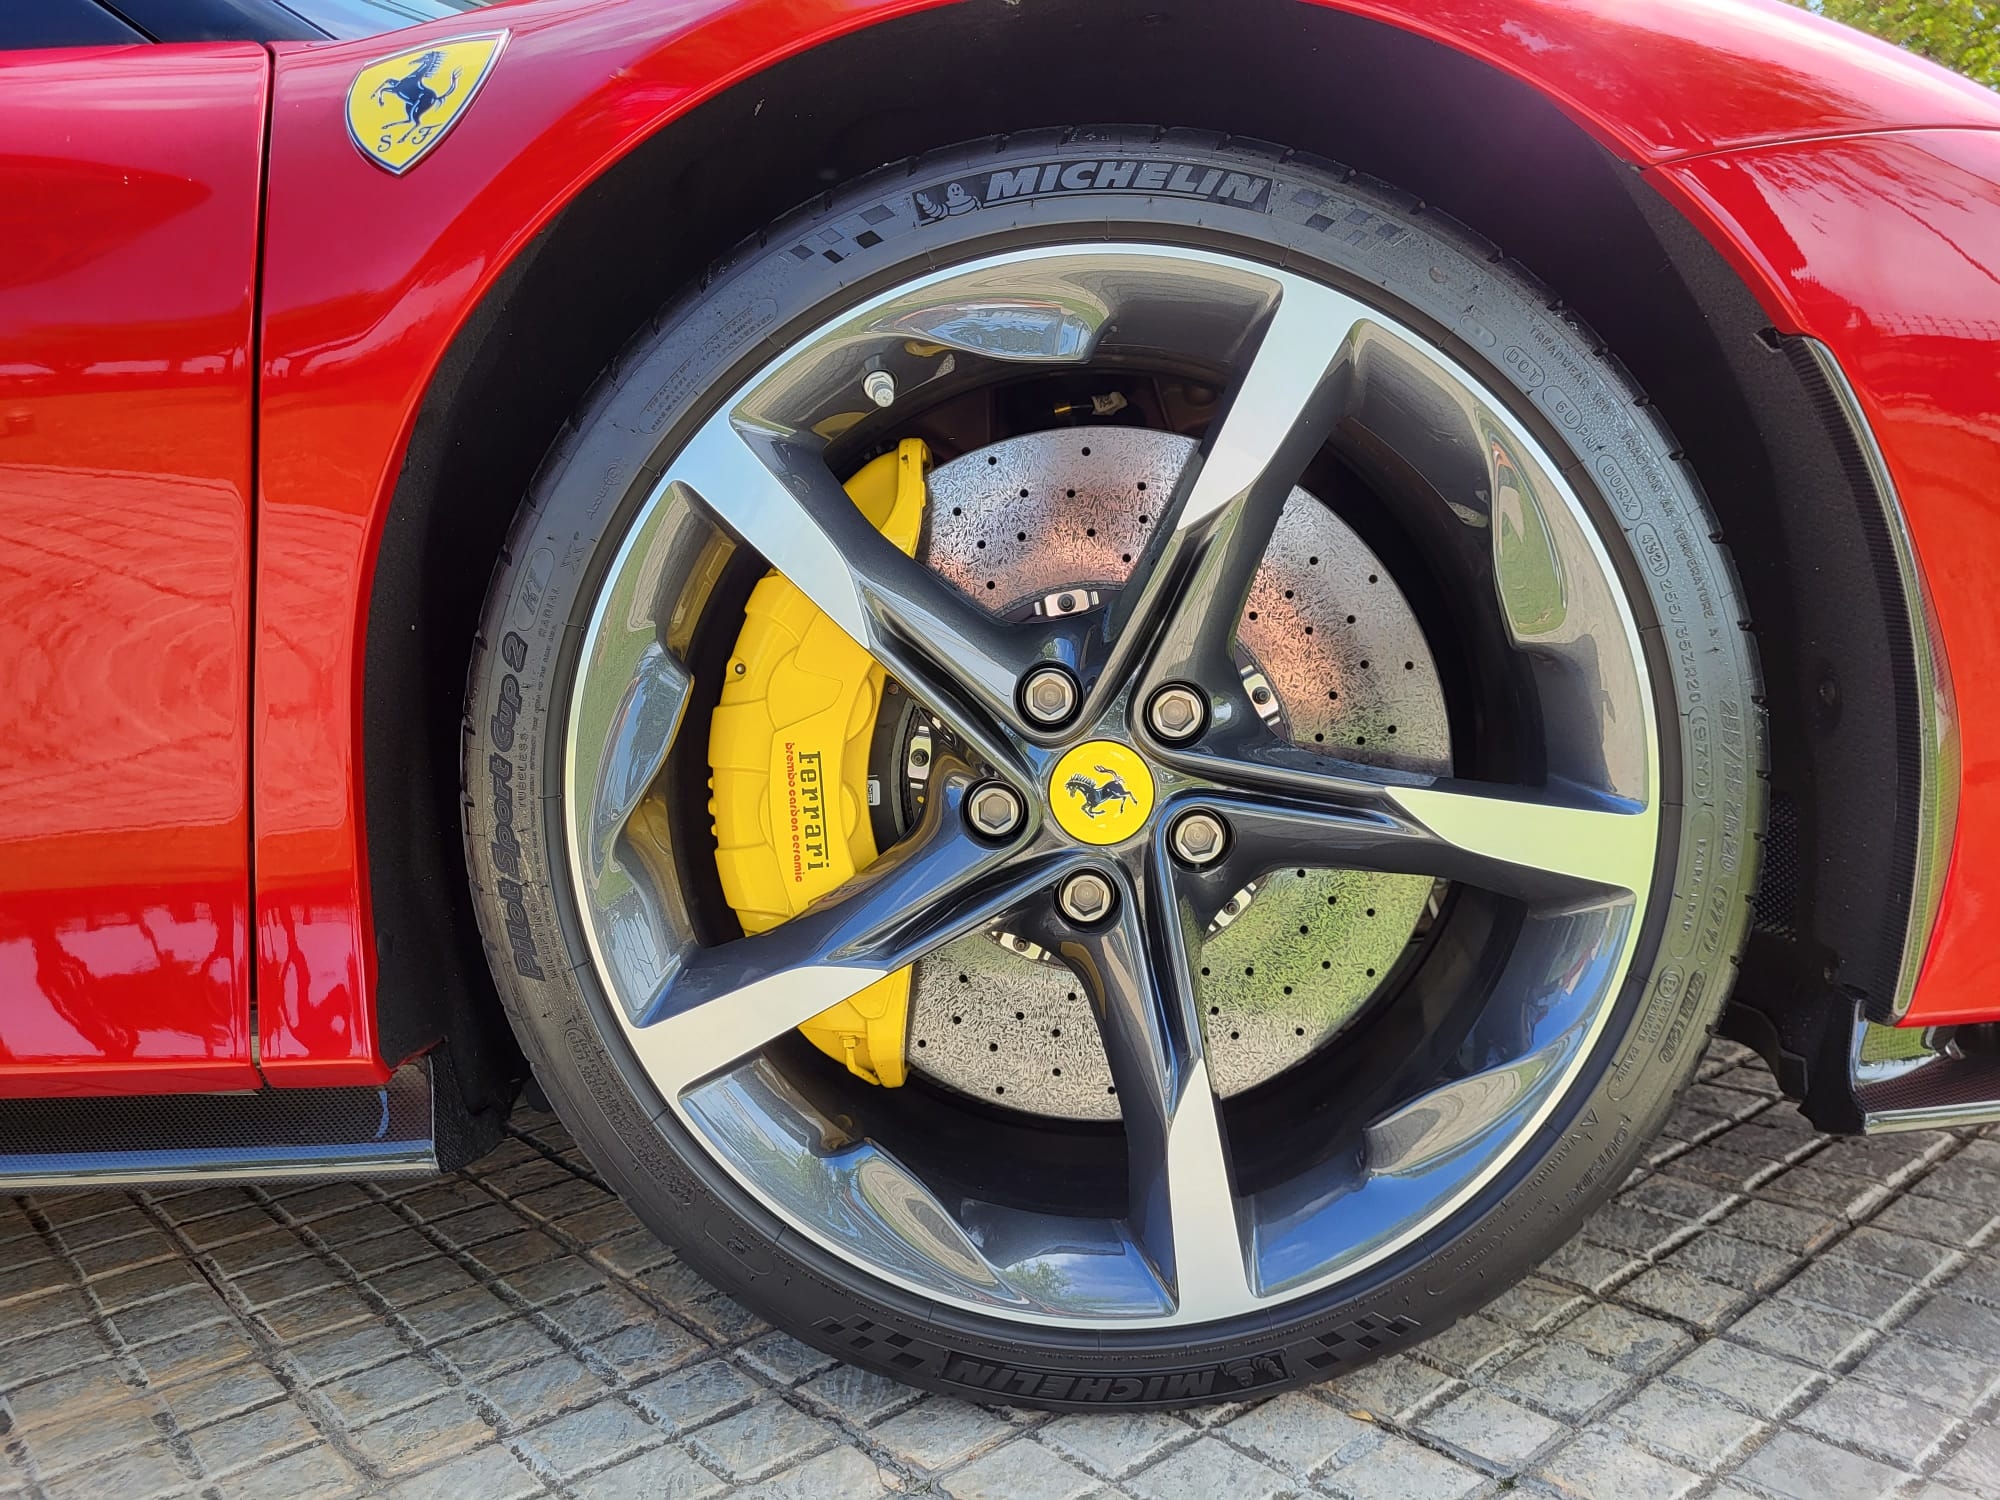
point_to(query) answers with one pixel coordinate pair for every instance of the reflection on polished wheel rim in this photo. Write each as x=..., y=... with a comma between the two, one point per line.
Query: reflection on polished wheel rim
x=1196, y=588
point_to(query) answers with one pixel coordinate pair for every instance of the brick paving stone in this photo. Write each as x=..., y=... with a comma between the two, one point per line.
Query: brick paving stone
x=418, y=1437
x=460, y=1313
x=1895, y=1428
x=215, y=1347
x=1115, y=1449
x=662, y=1474
x=1635, y=1342
x=585, y=1439
x=1860, y=1291
x=320, y=1312
x=502, y=1346
x=1816, y=1335
x=137, y=1475
x=1754, y=1378
x=1397, y=1469
x=366, y=1396
x=1392, y=1387
x=1956, y=1381
x=111, y=1430
x=1954, y=1224
x=1782, y=1227
x=1587, y=1264
x=1503, y=1433
x=209, y=1398
x=697, y=1394
x=532, y=1392
x=1804, y=1468
x=780, y=1357
x=1773, y=1313
x=1976, y=1466
x=1298, y=1432
x=1020, y=1470
x=332, y=1355
x=1695, y=1428
x=856, y=1394
x=1601, y=1464
x=1475, y=1340
x=1563, y=1379
x=254, y=1437
x=768, y=1435
x=1733, y=1261
x=315, y=1473
x=1682, y=1295
x=1903, y=1254
x=1209, y=1466
x=489, y=1473
x=940, y=1431
x=837, y=1474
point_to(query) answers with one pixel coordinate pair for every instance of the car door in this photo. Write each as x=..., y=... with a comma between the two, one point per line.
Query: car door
x=130, y=179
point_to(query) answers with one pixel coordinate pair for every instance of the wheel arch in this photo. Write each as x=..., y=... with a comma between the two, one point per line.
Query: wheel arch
x=1457, y=132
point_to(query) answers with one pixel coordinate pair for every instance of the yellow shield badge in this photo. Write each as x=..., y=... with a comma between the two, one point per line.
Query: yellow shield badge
x=399, y=108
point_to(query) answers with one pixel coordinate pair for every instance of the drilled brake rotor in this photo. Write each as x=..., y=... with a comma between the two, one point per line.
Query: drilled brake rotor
x=1023, y=523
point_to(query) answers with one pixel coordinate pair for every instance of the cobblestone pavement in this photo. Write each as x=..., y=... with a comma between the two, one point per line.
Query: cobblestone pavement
x=1761, y=1312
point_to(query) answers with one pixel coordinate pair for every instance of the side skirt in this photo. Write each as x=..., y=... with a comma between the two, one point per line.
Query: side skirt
x=268, y=1135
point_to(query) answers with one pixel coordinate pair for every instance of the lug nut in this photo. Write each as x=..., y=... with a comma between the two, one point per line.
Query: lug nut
x=879, y=386
x=994, y=809
x=1048, y=696
x=1199, y=837
x=1086, y=898
x=1176, y=714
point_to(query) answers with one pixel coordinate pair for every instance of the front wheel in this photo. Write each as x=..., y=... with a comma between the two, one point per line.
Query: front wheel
x=1113, y=769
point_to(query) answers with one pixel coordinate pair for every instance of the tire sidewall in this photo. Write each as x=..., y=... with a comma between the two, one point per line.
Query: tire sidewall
x=1315, y=220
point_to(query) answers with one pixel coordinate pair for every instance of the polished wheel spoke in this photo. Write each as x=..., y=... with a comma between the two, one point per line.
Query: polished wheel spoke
x=774, y=492
x=1182, y=1202
x=1187, y=591
x=720, y=1004
x=1529, y=844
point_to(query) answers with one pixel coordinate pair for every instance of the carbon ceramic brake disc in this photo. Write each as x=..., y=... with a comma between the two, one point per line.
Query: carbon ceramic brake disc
x=1340, y=661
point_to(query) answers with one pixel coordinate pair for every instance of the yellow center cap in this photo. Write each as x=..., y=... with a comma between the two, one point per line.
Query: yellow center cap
x=1101, y=792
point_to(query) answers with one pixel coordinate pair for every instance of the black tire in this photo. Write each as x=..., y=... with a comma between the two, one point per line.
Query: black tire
x=1314, y=218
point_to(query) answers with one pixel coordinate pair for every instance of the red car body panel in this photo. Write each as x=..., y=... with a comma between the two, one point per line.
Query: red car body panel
x=356, y=319
x=1887, y=249
x=127, y=379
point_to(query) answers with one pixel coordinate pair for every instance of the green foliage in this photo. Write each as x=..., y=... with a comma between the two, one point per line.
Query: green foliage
x=1961, y=34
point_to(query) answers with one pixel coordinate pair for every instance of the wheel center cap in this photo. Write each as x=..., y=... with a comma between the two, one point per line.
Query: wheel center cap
x=1101, y=792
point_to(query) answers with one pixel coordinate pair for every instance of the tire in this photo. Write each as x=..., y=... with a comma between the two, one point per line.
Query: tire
x=1320, y=221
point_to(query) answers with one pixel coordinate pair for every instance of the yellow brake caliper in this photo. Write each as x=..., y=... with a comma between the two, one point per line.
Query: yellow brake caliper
x=788, y=750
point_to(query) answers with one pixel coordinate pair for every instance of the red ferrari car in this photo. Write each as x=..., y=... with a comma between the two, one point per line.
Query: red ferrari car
x=1107, y=691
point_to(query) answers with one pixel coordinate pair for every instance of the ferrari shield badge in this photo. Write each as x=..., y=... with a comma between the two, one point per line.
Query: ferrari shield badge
x=400, y=107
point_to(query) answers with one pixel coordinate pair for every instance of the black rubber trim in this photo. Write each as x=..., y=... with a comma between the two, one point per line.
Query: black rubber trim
x=1871, y=967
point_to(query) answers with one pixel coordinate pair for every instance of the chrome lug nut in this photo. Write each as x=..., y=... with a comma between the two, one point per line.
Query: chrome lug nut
x=1086, y=897
x=994, y=809
x=1199, y=838
x=1048, y=696
x=1176, y=714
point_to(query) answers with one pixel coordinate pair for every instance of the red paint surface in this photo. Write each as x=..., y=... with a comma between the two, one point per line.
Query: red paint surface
x=355, y=323
x=1887, y=249
x=128, y=241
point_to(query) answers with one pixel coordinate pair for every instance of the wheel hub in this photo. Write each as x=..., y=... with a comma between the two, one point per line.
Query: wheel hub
x=1341, y=662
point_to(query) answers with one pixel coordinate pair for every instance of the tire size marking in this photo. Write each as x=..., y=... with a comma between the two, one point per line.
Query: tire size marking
x=505, y=846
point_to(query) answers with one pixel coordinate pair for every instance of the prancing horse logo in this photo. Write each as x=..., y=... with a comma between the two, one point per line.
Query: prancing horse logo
x=400, y=107
x=1108, y=795
x=415, y=91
